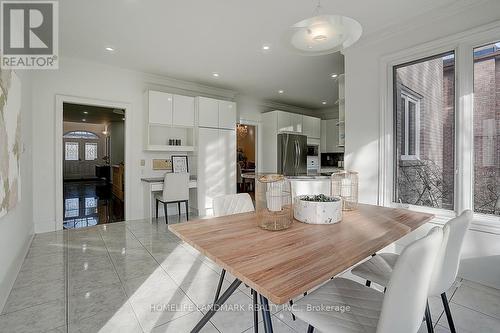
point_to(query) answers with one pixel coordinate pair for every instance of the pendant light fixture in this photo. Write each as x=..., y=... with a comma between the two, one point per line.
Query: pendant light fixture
x=323, y=34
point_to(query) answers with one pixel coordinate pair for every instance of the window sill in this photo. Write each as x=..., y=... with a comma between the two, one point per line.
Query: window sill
x=480, y=222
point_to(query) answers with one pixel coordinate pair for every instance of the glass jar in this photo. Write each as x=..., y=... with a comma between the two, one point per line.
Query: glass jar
x=345, y=185
x=273, y=201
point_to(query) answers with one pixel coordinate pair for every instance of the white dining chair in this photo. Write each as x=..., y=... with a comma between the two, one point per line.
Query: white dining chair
x=229, y=205
x=343, y=305
x=380, y=267
x=233, y=204
x=175, y=190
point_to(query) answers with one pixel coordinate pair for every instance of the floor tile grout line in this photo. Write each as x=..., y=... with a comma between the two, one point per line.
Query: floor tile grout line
x=164, y=270
x=474, y=310
x=179, y=287
x=121, y=281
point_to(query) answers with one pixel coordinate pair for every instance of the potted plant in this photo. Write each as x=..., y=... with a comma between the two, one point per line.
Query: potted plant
x=317, y=209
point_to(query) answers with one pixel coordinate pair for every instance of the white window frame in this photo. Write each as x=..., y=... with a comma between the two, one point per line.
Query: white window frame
x=463, y=44
x=404, y=155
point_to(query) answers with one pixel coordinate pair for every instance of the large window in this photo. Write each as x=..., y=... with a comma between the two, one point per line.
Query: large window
x=486, y=129
x=424, y=114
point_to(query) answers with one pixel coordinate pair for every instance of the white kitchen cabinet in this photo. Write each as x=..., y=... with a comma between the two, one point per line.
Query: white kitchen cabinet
x=216, y=166
x=289, y=122
x=160, y=107
x=183, y=111
x=284, y=121
x=227, y=114
x=208, y=112
x=330, y=136
x=227, y=150
x=311, y=127
x=296, y=122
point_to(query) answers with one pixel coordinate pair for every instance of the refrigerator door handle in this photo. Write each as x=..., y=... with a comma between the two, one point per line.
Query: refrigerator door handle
x=297, y=152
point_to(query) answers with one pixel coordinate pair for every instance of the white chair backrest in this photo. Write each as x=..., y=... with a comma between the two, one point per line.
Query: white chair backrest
x=233, y=204
x=407, y=291
x=448, y=259
x=176, y=187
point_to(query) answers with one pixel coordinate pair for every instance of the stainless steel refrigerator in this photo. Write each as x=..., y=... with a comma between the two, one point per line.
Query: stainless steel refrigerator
x=292, y=154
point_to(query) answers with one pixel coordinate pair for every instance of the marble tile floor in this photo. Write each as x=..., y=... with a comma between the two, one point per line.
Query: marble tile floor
x=136, y=276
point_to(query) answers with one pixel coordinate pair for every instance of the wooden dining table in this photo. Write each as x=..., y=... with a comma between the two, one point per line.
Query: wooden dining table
x=281, y=265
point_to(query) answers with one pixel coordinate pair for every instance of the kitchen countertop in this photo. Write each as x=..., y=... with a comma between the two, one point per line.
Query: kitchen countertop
x=160, y=179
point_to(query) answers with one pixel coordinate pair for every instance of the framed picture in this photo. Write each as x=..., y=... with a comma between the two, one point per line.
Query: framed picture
x=180, y=164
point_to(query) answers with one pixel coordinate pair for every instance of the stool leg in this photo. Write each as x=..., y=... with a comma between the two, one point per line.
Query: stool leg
x=165, y=209
x=428, y=319
x=179, y=209
x=157, y=202
x=187, y=210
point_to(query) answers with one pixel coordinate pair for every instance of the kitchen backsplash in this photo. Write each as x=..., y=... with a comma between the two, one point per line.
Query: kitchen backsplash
x=331, y=159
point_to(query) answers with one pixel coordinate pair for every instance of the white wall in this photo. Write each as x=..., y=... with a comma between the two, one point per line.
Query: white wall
x=363, y=99
x=91, y=80
x=16, y=228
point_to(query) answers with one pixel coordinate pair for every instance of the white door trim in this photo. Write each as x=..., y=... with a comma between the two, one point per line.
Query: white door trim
x=60, y=99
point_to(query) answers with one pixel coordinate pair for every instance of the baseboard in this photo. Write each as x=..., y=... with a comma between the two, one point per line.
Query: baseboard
x=13, y=271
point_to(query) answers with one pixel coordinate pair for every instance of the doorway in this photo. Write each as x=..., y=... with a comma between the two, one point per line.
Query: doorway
x=93, y=165
x=246, y=139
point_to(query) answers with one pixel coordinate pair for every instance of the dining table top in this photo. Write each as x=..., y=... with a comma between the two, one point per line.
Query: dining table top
x=281, y=265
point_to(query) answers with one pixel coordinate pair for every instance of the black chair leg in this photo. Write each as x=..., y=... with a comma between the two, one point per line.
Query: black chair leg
x=187, y=210
x=310, y=329
x=179, y=208
x=165, y=209
x=368, y=283
x=428, y=319
x=157, y=203
x=448, y=313
x=291, y=304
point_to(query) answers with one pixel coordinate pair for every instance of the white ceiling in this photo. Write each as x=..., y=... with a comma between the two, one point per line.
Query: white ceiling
x=191, y=39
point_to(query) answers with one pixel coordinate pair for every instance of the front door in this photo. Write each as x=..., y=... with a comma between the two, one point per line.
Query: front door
x=80, y=158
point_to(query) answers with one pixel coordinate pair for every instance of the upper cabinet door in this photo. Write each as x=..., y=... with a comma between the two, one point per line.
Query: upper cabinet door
x=296, y=120
x=307, y=126
x=315, y=127
x=227, y=115
x=160, y=107
x=208, y=112
x=284, y=122
x=183, y=113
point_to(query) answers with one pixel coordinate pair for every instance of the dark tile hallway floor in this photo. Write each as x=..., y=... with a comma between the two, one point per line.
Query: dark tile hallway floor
x=90, y=202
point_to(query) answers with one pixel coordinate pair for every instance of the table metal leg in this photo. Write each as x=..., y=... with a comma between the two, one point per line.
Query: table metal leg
x=255, y=312
x=266, y=314
x=217, y=304
x=219, y=286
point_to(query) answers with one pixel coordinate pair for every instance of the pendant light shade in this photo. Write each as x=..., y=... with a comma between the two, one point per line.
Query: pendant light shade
x=324, y=34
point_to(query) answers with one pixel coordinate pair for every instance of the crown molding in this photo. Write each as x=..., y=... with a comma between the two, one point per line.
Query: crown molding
x=270, y=106
x=192, y=88
x=415, y=23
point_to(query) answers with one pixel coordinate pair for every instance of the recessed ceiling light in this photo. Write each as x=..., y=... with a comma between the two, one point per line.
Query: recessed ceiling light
x=266, y=47
x=215, y=74
x=324, y=102
x=123, y=119
x=281, y=91
x=333, y=75
x=84, y=119
x=109, y=48
x=85, y=112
